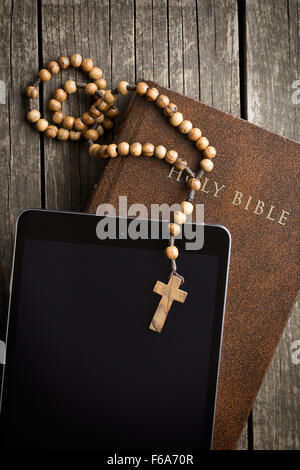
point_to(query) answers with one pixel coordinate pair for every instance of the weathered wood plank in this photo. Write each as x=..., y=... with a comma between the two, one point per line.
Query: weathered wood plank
x=122, y=45
x=144, y=40
x=219, y=55
x=243, y=440
x=175, y=38
x=276, y=413
x=73, y=26
x=272, y=66
x=160, y=41
x=151, y=40
x=190, y=50
x=19, y=143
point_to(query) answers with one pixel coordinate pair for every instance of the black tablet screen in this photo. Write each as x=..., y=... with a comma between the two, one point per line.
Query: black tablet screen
x=85, y=371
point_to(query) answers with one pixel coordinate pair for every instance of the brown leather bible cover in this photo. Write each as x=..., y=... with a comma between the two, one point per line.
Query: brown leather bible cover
x=254, y=192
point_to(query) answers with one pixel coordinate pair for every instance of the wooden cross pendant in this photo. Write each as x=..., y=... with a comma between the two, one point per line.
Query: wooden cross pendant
x=169, y=292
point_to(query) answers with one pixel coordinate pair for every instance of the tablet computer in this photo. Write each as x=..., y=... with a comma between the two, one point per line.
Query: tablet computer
x=83, y=370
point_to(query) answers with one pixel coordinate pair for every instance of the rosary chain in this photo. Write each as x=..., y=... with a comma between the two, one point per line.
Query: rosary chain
x=100, y=118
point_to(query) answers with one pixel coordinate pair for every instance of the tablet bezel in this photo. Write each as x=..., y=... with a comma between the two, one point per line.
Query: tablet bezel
x=81, y=228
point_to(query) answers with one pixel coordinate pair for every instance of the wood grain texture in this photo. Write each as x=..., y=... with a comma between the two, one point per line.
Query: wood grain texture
x=122, y=45
x=273, y=41
x=19, y=143
x=219, y=54
x=243, y=440
x=68, y=27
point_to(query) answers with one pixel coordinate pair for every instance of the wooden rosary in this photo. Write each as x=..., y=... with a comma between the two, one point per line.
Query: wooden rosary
x=100, y=117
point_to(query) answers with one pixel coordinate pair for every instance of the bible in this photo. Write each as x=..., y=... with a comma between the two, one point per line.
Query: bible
x=253, y=191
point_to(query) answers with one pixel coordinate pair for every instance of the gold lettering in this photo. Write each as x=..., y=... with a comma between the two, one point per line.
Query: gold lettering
x=248, y=202
x=218, y=189
x=237, y=199
x=204, y=185
x=270, y=212
x=179, y=173
x=259, y=206
x=283, y=217
x=238, y=196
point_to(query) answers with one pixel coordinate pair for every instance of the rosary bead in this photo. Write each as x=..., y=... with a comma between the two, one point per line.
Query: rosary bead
x=101, y=83
x=32, y=92
x=123, y=149
x=100, y=118
x=45, y=75
x=148, y=150
x=112, y=112
x=91, y=88
x=94, y=112
x=107, y=124
x=206, y=164
x=185, y=127
x=160, y=152
x=171, y=252
x=95, y=73
x=93, y=150
x=162, y=101
x=112, y=150
x=60, y=95
x=68, y=122
x=51, y=132
x=70, y=87
x=41, y=125
x=74, y=135
x=187, y=207
x=63, y=134
x=75, y=60
x=58, y=117
x=54, y=105
x=202, y=143
x=100, y=130
x=174, y=229
x=53, y=67
x=101, y=105
x=179, y=217
x=91, y=134
x=176, y=119
x=194, y=183
x=210, y=152
x=102, y=152
x=87, y=65
x=34, y=115
x=87, y=119
x=109, y=97
x=170, y=109
x=180, y=164
x=122, y=87
x=194, y=134
x=171, y=156
x=152, y=94
x=79, y=125
x=136, y=149
x=142, y=88
x=64, y=62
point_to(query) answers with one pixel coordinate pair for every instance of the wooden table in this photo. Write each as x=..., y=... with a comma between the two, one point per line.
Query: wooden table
x=239, y=56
